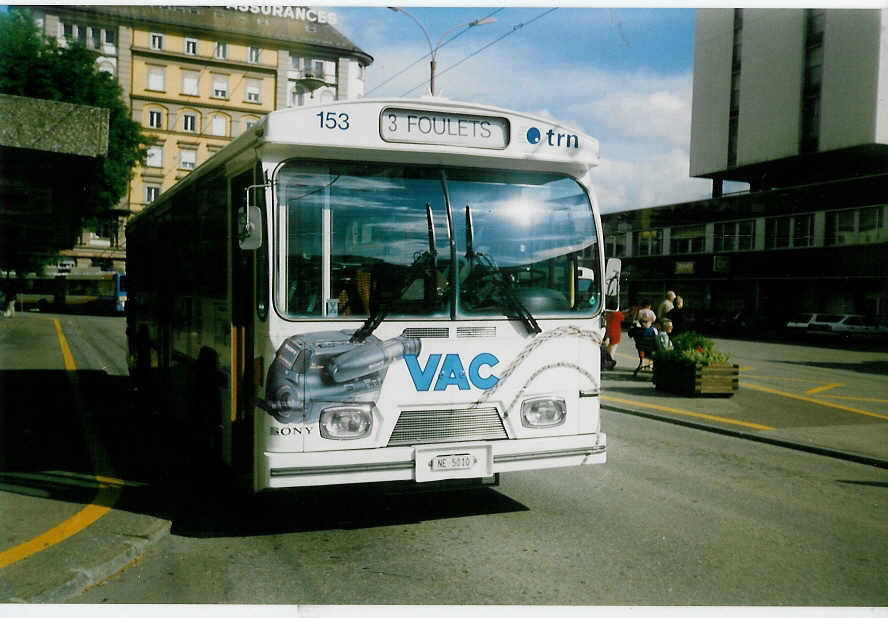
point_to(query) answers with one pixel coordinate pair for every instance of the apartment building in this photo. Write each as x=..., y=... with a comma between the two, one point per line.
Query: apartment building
x=196, y=77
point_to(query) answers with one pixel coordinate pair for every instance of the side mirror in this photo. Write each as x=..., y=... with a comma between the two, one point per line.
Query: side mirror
x=249, y=228
x=249, y=223
x=612, y=284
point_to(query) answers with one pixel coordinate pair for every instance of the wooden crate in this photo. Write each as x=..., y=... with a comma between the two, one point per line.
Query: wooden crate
x=715, y=379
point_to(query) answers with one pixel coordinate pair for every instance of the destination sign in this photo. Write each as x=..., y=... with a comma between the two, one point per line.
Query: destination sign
x=414, y=126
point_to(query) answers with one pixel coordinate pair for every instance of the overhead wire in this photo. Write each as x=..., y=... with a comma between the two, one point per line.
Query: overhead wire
x=481, y=49
x=417, y=61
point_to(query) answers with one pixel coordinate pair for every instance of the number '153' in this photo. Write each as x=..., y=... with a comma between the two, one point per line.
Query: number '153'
x=332, y=120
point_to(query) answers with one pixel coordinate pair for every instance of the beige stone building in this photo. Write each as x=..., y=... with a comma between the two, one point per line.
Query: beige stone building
x=196, y=77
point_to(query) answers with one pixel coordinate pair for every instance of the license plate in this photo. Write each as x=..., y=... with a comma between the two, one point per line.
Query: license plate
x=468, y=461
x=463, y=461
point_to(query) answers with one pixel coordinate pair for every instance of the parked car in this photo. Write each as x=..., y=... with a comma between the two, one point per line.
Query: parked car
x=800, y=322
x=842, y=324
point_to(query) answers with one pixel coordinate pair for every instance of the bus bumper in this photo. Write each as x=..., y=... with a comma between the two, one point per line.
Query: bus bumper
x=429, y=462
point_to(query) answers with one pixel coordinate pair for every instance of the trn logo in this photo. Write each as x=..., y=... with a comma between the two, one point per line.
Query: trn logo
x=556, y=140
x=452, y=372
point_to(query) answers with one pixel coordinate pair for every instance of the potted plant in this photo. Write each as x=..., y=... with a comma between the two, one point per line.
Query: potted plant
x=694, y=367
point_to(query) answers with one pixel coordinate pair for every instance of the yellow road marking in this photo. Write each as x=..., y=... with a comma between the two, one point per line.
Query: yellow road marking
x=825, y=387
x=103, y=503
x=828, y=404
x=868, y=399
x=109, y=492
x=66, y=351
x=709, y=417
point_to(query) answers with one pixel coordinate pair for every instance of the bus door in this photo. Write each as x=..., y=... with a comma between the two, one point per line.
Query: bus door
x=242, y=332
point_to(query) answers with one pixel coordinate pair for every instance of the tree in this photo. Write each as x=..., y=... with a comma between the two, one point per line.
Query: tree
x=35, y=66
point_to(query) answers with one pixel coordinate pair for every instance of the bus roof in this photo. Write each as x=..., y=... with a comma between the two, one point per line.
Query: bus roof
x=433, y=129
x=428, y=130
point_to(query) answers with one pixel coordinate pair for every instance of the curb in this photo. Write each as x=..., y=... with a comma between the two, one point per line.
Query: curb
x=84, y=578
x=799, y=446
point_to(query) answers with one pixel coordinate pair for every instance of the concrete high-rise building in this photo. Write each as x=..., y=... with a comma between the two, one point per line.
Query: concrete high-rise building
x=196, y=77
x=789, y=96
x=793, y=102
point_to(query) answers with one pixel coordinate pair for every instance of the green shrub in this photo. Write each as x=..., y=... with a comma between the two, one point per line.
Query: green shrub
x=692, y=348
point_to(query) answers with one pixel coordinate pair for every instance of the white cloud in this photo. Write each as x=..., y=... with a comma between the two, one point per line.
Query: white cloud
x=646, y=115
x=655, y=180
x=641, y=118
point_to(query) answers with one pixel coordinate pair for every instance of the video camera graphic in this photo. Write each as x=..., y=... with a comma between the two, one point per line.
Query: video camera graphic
x=314, y=370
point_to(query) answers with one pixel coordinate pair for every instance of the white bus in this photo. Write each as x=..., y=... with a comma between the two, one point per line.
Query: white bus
x=378, y=290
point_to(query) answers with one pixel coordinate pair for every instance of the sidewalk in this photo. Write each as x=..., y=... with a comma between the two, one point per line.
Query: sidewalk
x=67, y=519
x=752, y=413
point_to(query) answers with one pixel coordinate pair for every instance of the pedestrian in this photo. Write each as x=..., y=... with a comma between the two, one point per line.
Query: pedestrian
x=645, y=336
x=664, y=334
x=634, y=315
x=613, y=321
x=678, y=317
x=666, y=305
x=7, y=303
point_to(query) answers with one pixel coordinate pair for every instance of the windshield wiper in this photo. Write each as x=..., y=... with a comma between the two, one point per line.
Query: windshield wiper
x=425, y=260
x=507, y=294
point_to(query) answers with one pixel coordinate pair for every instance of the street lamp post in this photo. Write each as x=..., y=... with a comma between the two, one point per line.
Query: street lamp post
x=433, y=49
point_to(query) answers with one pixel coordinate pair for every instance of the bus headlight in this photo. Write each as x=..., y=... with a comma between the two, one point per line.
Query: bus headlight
x=346, y=422
x=538, y=412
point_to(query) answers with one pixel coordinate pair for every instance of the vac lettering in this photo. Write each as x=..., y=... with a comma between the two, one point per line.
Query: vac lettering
x=451, y=372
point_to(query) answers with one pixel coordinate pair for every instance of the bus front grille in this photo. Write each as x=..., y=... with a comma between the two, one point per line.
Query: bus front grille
x=439, y=333
x=430, y=426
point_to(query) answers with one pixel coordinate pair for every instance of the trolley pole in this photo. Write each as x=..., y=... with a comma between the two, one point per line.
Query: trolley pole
x=433, y=49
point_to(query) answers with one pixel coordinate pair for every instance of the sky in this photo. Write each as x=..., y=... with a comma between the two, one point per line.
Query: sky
x=620, y=75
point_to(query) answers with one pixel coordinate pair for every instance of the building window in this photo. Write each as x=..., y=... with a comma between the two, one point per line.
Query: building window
x=250, y=122
x=220, y=86
x=110, y=36
x=735, y=236
x=187, y=158
x=93, y=37
x=615, y=245
x=788, y=232
x=155, y=119
x=689, y=239
x=254, y=89
x=189, y=122
x=156, y=78
x=154, y=156
x=253, y=54
x=151, y=193
x=191, y=47
x=647, y=242
x=297, y=94
x=156, y=41
x=220, y=126
x=221, y=50
x=857, y=226
x=734, y=105
x=815, y=23
x=190, y=80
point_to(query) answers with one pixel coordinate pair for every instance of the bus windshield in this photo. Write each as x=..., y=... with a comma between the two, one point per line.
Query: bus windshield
x=352, y=237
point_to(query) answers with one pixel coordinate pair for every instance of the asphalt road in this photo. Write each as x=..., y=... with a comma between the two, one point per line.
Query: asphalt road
x=677, y=516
